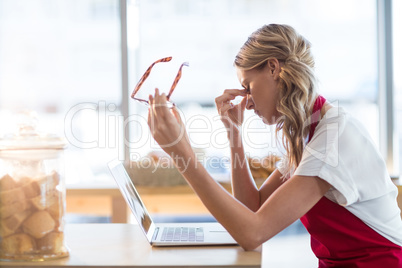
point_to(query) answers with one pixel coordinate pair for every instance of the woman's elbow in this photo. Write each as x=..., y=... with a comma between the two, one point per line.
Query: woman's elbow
x=251, y=243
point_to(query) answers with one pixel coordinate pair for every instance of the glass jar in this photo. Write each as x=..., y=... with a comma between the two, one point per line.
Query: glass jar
x=32, y=195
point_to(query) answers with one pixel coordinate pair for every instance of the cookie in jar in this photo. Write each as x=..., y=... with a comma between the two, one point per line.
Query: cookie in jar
x=32, y=196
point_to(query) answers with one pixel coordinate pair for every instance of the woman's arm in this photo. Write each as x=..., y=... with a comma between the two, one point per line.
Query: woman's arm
x=250, y=229
x=243, y=184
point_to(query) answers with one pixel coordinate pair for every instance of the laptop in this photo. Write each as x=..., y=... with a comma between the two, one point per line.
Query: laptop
x=167, y=234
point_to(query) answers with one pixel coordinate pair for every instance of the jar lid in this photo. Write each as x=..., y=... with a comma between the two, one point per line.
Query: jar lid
x=27, y=136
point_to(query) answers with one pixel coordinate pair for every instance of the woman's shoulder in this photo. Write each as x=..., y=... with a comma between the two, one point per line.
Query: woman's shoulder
x=349, y=137
x=343, y=132
x=334, y=119
x=339, y=119
x=335, y=113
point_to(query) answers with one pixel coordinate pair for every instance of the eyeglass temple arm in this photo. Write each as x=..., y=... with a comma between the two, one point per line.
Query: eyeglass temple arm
x=176, y=80
x=146, y=74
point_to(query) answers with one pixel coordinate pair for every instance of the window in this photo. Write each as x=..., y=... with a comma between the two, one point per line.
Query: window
x=62, y=59
x=209, y=34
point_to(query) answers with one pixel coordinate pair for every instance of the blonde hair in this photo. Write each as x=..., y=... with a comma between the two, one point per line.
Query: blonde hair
x=297, y=81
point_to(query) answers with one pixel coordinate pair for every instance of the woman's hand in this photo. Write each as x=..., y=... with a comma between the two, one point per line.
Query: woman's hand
x=231, y=115
x=167, y=127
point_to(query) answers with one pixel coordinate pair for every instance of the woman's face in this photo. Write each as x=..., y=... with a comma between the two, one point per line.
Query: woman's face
x=262, y=87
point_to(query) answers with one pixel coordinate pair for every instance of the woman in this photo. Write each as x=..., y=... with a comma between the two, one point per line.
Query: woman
x=332, y=177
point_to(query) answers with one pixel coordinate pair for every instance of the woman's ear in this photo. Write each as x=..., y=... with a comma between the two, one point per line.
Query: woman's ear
x=274, y=68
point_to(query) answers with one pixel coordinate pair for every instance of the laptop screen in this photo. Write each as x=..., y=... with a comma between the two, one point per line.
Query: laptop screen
x=130, y=194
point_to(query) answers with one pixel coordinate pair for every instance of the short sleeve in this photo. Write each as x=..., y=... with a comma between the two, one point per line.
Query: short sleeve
x=342, y=153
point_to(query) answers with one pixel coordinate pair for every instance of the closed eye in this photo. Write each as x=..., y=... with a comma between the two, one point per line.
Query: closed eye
x=247, y=89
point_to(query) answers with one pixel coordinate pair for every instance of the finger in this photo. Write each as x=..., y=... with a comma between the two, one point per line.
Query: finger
x=244, y=103
x=224, y=98
x=161, y=105
x=225, y=107
x=236, y=92
x=151, y=99
x=153, y=113
x=230, y=94
x=177, y=115
x=152, y=104
x=151, y=117
x=156, y=103
x=157, y=97
x=183, y=132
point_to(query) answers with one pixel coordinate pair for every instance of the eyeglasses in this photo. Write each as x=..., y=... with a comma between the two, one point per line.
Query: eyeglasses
x=145, y=76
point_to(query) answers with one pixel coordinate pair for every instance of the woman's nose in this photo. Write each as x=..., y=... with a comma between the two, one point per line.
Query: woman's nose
x=250, y=102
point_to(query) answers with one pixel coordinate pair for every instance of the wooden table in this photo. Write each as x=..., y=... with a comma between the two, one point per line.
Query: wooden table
x=124, y=245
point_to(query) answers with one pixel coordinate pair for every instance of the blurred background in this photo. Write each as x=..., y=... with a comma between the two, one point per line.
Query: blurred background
x=69, y=62
x=63, y=60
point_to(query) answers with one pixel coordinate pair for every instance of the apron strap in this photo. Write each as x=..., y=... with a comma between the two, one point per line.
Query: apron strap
x=316, y=115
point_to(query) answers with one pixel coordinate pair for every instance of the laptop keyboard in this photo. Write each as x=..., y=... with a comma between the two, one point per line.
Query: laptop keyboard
x=189, y=234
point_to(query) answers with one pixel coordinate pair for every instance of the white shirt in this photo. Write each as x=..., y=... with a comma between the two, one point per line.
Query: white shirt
x=342, y=153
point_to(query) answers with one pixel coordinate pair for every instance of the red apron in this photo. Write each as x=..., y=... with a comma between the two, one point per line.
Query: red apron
x=340, y=239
